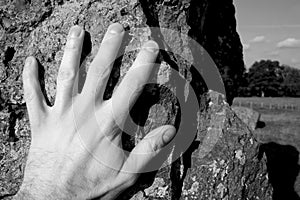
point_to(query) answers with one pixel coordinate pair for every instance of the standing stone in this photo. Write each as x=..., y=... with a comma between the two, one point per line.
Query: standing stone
x=249, y=116
x=222, y=161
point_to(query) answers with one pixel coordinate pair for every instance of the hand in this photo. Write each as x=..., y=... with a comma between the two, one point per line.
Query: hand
x=76, y=148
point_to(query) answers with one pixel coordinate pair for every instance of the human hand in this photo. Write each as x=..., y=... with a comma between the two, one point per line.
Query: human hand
x=76, y=148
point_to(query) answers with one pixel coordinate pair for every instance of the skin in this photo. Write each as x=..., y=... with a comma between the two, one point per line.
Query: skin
x=76, y=150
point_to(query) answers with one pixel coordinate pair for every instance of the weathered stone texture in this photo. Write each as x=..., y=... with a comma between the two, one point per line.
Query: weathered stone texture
x=249, y=116
x=221, y=163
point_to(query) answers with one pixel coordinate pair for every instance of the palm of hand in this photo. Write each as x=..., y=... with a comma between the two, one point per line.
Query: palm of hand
x=76, y=144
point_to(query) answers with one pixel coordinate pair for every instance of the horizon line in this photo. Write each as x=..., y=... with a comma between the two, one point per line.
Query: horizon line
x=271, y=26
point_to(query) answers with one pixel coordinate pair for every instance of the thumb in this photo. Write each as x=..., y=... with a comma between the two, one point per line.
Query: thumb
x=149, y=154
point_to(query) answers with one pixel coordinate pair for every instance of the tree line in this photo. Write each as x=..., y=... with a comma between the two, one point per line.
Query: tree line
x=268, y=78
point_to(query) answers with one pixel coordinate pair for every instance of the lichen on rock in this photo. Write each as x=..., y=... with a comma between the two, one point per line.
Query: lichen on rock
x=212, y=167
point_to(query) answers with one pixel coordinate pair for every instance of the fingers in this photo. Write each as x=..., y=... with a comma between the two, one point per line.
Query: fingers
x=69, y=66
x=33, y=95
x=100, y=68
x=150, y=150
x=134, y=81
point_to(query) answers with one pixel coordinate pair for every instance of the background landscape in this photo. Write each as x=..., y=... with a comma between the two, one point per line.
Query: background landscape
x=271, y=81
x=254, y=43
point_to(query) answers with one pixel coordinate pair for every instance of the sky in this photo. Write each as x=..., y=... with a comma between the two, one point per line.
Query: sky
x=269, y=29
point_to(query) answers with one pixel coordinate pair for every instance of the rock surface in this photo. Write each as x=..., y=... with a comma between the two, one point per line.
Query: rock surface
x=249, y=116
x=221, y=163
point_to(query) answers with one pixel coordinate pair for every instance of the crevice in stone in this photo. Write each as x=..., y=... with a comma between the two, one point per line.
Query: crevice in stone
x=17, y=112
x=177, y=177
x=283, y=169
x=9, y=55
x=208, y=23
x=41, y=77
x=86, y=50
x=179, y=170
x=24, y=26
x=115, y=72
x=44, y=17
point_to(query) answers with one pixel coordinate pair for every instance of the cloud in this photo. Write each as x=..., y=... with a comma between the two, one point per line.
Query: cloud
x=246, y=47
x=289, y=43
x=274, y=53
x=258, y=39
x=295, y=61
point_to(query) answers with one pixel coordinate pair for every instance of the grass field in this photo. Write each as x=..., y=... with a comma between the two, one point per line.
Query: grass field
x=281, y=125
x=281, y=117
x=272, y=100
x=275, y=103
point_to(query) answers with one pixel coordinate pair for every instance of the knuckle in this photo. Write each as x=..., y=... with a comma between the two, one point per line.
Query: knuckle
x=99, y=73
x=26, y=75
x=155, y=146
x=28, y=95
x=151, y=146
x=66, y=75
x=131, y=181
x=73, y=44
x=103, y=72
x=29, y=88
x=134, y=84
x=109, y=41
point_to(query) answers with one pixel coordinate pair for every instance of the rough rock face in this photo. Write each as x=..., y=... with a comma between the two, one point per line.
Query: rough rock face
x=248, y=116
x=221, y=163
x=213, y=25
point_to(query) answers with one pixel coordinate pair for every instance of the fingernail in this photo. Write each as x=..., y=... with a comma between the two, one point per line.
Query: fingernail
x=28, y=61
x=168, y=135
x=116, y=28
x=75, y=31
x=151, y=46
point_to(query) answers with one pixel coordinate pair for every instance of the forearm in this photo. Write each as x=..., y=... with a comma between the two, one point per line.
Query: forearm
x=42, y=191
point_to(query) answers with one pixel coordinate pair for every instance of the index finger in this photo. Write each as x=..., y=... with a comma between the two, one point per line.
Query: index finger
x=135, y=79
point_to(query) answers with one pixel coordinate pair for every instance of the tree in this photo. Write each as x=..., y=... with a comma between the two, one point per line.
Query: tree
x=270, y=79
x=265, y=79
x=291, y=81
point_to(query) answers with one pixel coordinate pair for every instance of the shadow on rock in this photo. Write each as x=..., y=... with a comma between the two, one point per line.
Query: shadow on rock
x=260, y=124
x=283, y=168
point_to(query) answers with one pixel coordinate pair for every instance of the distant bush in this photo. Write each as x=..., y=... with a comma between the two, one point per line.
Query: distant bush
x=270, y=79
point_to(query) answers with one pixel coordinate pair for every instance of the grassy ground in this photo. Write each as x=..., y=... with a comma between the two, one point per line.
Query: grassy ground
x=272, y=100
x=281, y=125
x=281, y=117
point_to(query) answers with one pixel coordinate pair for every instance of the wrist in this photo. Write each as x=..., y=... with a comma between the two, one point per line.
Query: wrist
x=41, y=181
x=36, y=190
